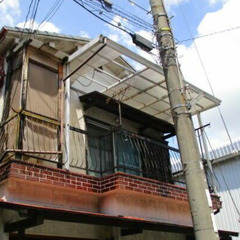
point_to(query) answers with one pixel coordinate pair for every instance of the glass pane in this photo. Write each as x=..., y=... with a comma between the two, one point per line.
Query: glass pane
x=127, y=153
x=100, y=155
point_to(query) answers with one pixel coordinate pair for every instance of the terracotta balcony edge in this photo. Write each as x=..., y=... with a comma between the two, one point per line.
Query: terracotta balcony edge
x=65, y=178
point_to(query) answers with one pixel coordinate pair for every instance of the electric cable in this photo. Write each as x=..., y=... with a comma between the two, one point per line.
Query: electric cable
x=131, y=16
x=102, y=19
x=137, y=5
x=207, y=77
x=231, y=143
x=34, y=14
x=26, y=19
x=209, y=34
x=118, y=11
x=53, y=10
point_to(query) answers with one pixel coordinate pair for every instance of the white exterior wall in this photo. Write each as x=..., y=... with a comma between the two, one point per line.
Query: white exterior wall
x=77, y=140
x=228, y=175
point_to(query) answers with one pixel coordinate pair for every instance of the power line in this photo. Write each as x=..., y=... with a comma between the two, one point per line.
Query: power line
x=207, y=77
x=102, y=19
x=26, y=19
x=224, y=123
x=53, y=10
x=116, y=11
x=130, y=16
x=209, y=34
x=137, y=5
x=34, y=13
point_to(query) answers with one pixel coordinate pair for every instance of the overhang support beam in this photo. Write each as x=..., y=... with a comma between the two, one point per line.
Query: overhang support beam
x=24, y=224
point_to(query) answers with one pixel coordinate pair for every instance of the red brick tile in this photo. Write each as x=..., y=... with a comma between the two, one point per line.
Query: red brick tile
x=36, y=179
x=47, y=181
x=70, y=185
x=81, y=188
x=58, y=183
x=128, y=188
x=87, y=185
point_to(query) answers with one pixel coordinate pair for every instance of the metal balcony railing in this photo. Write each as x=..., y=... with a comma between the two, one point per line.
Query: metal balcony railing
x=34, y=138
x=31, y=137
x=117, y=150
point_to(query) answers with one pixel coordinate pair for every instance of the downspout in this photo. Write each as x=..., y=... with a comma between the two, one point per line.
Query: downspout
x=61, y=114
x=67, y=120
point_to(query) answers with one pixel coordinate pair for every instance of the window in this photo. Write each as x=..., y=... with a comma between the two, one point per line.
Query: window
x=42, y=92
x=42, y=99
x=100, y=150
x=119, y=150
x=127, y=153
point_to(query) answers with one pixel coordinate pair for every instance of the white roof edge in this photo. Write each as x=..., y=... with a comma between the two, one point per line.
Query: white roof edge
x=119, y=48
x=93, y=43
x=133, y=55
x=103, y=42
x=46, y=34
x=207, y=95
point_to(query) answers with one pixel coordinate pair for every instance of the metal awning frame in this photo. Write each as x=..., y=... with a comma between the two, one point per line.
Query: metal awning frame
x=144, y=83
x=102, y=42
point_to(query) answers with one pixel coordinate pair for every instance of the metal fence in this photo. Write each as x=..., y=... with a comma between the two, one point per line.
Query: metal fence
x=36, y=139
x=117, y=150
x=30, y=137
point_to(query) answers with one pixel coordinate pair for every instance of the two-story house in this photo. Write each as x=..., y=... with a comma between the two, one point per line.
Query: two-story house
x=83, y=142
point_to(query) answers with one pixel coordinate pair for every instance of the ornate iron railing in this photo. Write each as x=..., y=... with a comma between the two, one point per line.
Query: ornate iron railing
x=34, y=138
x=30, y=137
x=118, y=150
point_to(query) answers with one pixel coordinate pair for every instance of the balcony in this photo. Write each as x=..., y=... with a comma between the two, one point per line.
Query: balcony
x=98, y=152
x=112, y=172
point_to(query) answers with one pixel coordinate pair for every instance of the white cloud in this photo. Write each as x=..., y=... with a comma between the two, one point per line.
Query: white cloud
x=119, y=35
x=220, y=55
x=217, y=1
x=114, y=37
x=9, y=12
x=84, y=34
x=45, y=26
x=170, y=3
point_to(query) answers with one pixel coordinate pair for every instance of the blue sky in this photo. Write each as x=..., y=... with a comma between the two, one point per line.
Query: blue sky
x=72, y=19
x=219, y=53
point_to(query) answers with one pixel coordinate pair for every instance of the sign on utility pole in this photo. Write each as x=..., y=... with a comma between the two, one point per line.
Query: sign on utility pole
x=197, y=188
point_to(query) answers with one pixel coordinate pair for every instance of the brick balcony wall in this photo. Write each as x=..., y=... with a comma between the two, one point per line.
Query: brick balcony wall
x=65, y=178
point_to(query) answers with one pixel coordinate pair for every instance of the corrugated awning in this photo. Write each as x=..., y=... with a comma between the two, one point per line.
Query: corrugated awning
x=105, y=66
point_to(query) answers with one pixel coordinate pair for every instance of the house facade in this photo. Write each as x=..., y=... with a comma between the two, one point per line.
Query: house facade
x=83, y=146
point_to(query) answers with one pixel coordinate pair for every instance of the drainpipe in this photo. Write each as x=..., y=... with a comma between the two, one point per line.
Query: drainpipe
x=67, y=119
x=61, y=114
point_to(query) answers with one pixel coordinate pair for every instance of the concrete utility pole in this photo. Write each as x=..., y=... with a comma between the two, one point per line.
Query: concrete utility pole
x=198, y=193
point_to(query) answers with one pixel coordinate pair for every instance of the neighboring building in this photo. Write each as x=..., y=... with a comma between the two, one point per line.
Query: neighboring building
x=90, y=161
x=226, y=166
